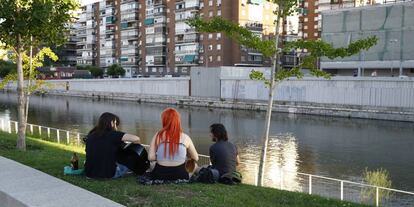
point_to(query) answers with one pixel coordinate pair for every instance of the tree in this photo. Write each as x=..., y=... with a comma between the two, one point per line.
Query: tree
x=271, y=49
x=95, y=71
x=115, y=70
x=30, y=23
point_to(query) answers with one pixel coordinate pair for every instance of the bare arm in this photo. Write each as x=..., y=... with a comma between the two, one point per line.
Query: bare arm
x=192, y=152
x=237, y=160
x=152, y=149
x=131, y=138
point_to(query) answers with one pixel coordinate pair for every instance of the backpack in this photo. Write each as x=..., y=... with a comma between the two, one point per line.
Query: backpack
x=231, y=178
x=206, y=175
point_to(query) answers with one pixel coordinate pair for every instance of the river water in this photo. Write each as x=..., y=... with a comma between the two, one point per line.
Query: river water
x=328, y=146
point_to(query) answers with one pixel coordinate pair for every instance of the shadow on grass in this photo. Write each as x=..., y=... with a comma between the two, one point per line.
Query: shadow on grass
x=51, y=158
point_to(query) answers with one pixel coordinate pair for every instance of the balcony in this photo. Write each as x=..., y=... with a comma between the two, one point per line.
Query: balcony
x=109, y=31
x=158, y=61
x=81, y=42
x=109, y=4
x=186, y=60
x=149, y=21
x=182, y=52
x=159, y=2
x=160, y=13
x=129, y=36
x=128, y=25
x=81, y=34
x=185, y=31
x=110, y=20
x=254, y=26
x=186, y=40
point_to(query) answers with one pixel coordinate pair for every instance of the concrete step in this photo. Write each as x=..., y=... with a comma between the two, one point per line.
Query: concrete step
x=21, y=185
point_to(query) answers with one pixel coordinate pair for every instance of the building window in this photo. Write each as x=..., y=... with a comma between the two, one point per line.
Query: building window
x=218, y=12
x=315, y=34
x=201, y=5
x=305, y=35
x=210, y=47
x=305, y=27
x=243, y=58
x=210, y=13
x=218, y=47
x=219, y=58
x=210, y=36
x=201, y=37
x=218, y=36
x=210, y=58
x=210, y=2
x=305, y=19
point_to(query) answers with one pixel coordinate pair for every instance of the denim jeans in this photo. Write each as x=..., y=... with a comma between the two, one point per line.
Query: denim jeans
x=120, y=171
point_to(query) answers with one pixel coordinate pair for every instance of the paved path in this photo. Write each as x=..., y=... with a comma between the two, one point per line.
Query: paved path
x=22, y=186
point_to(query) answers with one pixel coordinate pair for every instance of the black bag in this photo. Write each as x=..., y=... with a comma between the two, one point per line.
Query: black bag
x=206, y=175
x=135, y=157
x=232, y=178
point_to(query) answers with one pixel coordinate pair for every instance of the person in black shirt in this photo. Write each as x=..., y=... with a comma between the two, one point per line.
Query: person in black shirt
x=102, y=144
x=223, y=154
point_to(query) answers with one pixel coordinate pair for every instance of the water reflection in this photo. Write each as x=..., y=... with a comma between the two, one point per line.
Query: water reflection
x=334, y=147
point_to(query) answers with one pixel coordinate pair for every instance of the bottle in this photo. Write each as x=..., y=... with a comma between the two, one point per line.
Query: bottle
x=74, y=162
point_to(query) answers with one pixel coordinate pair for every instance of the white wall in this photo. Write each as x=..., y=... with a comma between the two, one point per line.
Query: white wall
x=145, y=86
x=378, y=92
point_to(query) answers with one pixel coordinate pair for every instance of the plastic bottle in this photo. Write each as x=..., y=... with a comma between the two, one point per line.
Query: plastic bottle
x=74, y=162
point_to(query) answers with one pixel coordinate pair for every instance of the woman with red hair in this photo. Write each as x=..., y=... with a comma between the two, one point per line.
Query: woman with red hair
x=170, y=148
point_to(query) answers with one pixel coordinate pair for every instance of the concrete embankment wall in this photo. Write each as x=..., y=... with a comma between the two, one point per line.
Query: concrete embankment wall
x=351, y=91
x=229, y=87
x=144, y=86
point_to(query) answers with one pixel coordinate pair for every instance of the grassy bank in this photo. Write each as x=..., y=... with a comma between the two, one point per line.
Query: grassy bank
x=51, y=157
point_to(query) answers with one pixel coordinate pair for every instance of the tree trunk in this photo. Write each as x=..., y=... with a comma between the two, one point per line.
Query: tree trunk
x=273, y=72
x=21, y=100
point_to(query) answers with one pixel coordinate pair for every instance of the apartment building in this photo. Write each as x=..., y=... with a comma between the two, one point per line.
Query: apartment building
x=392, y=23
x=108, y=34
x=310, y=19
x=150, y=37
x=85, y=32
x=171, y=47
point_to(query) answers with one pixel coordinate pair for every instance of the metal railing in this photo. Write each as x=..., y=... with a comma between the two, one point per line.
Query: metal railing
x=344, y=190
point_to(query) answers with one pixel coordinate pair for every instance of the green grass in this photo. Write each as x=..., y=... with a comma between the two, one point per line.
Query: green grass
x=51, y=158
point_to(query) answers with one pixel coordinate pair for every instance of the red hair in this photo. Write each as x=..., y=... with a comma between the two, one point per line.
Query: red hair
x=171, y=131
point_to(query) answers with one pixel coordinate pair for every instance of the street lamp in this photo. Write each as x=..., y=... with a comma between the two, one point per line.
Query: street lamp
x=392, y=41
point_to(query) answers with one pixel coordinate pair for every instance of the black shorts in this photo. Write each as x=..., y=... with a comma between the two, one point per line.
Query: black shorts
x=169, y=173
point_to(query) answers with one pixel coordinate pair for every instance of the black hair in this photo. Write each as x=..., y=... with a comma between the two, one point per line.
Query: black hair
x=219, y=132
x=105, y=123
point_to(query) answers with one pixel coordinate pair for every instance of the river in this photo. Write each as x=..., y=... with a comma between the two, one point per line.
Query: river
x=328, y=146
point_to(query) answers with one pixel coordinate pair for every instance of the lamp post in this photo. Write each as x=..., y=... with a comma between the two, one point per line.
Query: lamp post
x=392, y=41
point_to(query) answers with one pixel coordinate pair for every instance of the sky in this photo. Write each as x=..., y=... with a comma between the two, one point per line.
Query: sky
x=84, y=2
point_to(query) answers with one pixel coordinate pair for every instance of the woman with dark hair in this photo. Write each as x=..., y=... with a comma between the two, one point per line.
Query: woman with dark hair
x=170, y=148
x=223, y=154
x=102, y=145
